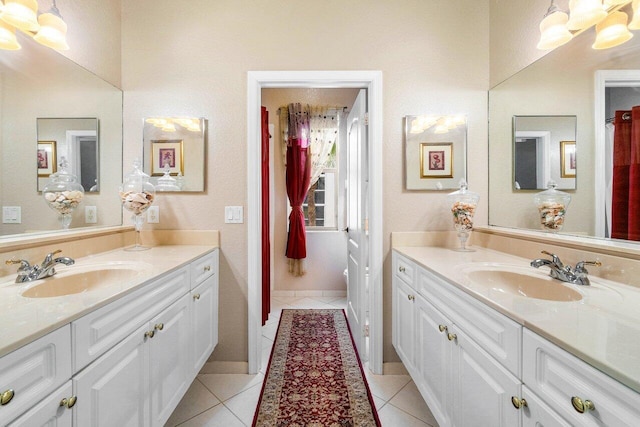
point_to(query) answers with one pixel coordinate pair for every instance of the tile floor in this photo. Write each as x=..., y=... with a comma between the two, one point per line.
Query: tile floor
x=230, y=400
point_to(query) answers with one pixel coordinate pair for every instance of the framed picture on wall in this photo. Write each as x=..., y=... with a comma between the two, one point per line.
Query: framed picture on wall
x=436, y=160
x=46, y=158
x=567, y=159
x=167, y=153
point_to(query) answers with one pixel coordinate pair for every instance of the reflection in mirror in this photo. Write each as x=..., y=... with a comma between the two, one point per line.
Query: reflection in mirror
x=560, y=83
x=38, y=82
x=174, y=152
x=435, y=152
x=74, y=140
x=544, y=150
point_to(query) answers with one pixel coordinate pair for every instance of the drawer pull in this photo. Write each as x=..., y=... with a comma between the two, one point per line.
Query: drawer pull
x=68, y=403
x=518, y=403
x=196, y=297
x=159, y=327
x=411, y=297
x=401, y=269
x=452, y=337
x=207, y=268
x=582, y=406
x=442, y=328
x=6, y=397
x=149, y=334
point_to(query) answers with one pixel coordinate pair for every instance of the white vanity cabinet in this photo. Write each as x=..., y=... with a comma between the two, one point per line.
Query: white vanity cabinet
x=462, y=383
x=128, y=363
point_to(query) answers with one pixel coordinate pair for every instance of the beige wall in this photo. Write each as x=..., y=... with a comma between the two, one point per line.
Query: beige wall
x=194, y=61
x=326, y=250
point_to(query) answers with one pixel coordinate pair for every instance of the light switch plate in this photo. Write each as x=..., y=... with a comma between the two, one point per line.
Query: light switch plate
x=233, y=214
x=11, y=215
x=90, y=214
x=153, y=215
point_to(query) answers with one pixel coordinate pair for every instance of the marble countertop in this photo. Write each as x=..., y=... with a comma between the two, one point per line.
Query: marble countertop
x=602, y=328
x=26, y=319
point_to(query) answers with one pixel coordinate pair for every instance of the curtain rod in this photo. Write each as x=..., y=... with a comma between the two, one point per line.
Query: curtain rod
x=344, y=109
x=625, y=116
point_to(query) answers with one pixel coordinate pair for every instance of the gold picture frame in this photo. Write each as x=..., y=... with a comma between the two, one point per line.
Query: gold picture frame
x=169, y=151
x=46, y=158
x=436, y=160
x=567, y=159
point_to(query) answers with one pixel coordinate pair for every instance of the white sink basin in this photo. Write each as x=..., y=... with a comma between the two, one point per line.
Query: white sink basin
x=84, y=279
x=519, y=282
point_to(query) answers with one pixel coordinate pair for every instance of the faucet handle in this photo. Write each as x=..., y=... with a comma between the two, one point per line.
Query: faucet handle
x=49, y=256
x=554, y=258
x=580, y=266
x=24, y=264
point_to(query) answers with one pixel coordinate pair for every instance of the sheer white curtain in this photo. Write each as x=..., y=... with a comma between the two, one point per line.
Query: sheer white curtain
x=323, y=126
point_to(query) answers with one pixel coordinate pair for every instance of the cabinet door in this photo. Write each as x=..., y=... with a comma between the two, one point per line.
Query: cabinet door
x=113, y=390
x=404, y=331
x=204, y=322
x=539, y=414
x=170, y=359
x=482, y=388
x=433, y=354
x=49, y=412
x=33, y=371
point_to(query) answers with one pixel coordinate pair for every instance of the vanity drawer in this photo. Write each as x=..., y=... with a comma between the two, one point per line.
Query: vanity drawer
x=404, y=269
x=498, y=335
x=34, y=371
x=100, y=330
x=557, y=376
x=203, y=268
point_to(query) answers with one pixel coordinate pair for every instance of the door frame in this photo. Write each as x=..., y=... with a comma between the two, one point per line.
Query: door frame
x=372, y=81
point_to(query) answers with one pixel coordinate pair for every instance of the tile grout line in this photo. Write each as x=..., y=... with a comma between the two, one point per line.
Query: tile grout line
x=400, y=409
x=209, y=408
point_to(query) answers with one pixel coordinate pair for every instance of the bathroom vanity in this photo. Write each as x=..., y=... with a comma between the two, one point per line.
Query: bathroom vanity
x=122, y=352
x=491, y=341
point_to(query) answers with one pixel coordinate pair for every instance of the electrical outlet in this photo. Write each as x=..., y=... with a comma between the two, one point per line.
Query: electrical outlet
x=11, y=215
x=90, y=214
x=153, y=215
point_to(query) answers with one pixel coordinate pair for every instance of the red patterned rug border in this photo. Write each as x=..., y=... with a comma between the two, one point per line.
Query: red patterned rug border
x=374, y=410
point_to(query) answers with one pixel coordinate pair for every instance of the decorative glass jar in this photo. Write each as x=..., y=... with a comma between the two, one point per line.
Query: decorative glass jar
x=552, y=207
x=63, y=193
x=137, y=195
x=166, y=182
x=463, y=206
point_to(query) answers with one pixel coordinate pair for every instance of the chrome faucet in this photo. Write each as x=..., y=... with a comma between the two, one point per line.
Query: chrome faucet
x=29, y=273
x=565, y=273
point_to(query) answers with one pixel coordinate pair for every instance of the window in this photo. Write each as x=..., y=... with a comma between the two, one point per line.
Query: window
x=319, y=206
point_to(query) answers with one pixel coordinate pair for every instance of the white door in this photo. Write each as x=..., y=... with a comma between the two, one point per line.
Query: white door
x=356, y=214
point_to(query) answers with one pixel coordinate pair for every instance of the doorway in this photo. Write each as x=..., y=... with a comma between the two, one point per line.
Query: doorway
x=372, y=82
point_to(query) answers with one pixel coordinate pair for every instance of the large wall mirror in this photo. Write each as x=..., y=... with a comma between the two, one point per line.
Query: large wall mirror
x=174, y=152
x=562, y=83
x=46, y=100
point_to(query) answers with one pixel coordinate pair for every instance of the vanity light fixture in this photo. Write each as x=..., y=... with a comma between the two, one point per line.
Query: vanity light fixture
x=558, y=27
x=612, y=31
x=8, y=39
x=168, y=124
x=48, y=29
x=442, y=123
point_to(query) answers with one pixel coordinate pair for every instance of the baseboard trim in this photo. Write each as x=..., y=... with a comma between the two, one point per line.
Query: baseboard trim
x=283, y=293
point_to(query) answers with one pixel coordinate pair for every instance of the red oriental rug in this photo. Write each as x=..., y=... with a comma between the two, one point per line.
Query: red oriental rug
x=315, y=378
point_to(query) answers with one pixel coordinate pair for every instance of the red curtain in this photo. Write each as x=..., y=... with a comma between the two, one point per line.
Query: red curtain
x=266, y=245
x=625, y=208
x=298, y=175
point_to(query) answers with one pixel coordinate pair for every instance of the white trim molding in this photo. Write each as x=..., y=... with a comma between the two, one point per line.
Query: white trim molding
x=372, y=81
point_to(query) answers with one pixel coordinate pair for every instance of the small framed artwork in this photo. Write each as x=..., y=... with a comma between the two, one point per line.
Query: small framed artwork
x=167, y=152
x=436, y=160
x=567, y=159
x=46, y=158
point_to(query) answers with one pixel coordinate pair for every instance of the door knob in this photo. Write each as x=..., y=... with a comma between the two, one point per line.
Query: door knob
x=582, y=406
x=518, y=403
x=68, y=403
x=6, y=397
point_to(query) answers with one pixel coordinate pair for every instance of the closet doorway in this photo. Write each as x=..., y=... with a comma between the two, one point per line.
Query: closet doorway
x=371, y=81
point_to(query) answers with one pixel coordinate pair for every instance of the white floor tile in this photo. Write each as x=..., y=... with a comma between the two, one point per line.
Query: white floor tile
x=269, y=331
x=386, y=386
x=225, y=386
x=285, y=300
x=339, y=303
x=390, y=416
x=197, y=400
x=378, y=402
x=244, y=405
x=215, y=417
x=310, y=303
x=410, y=400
